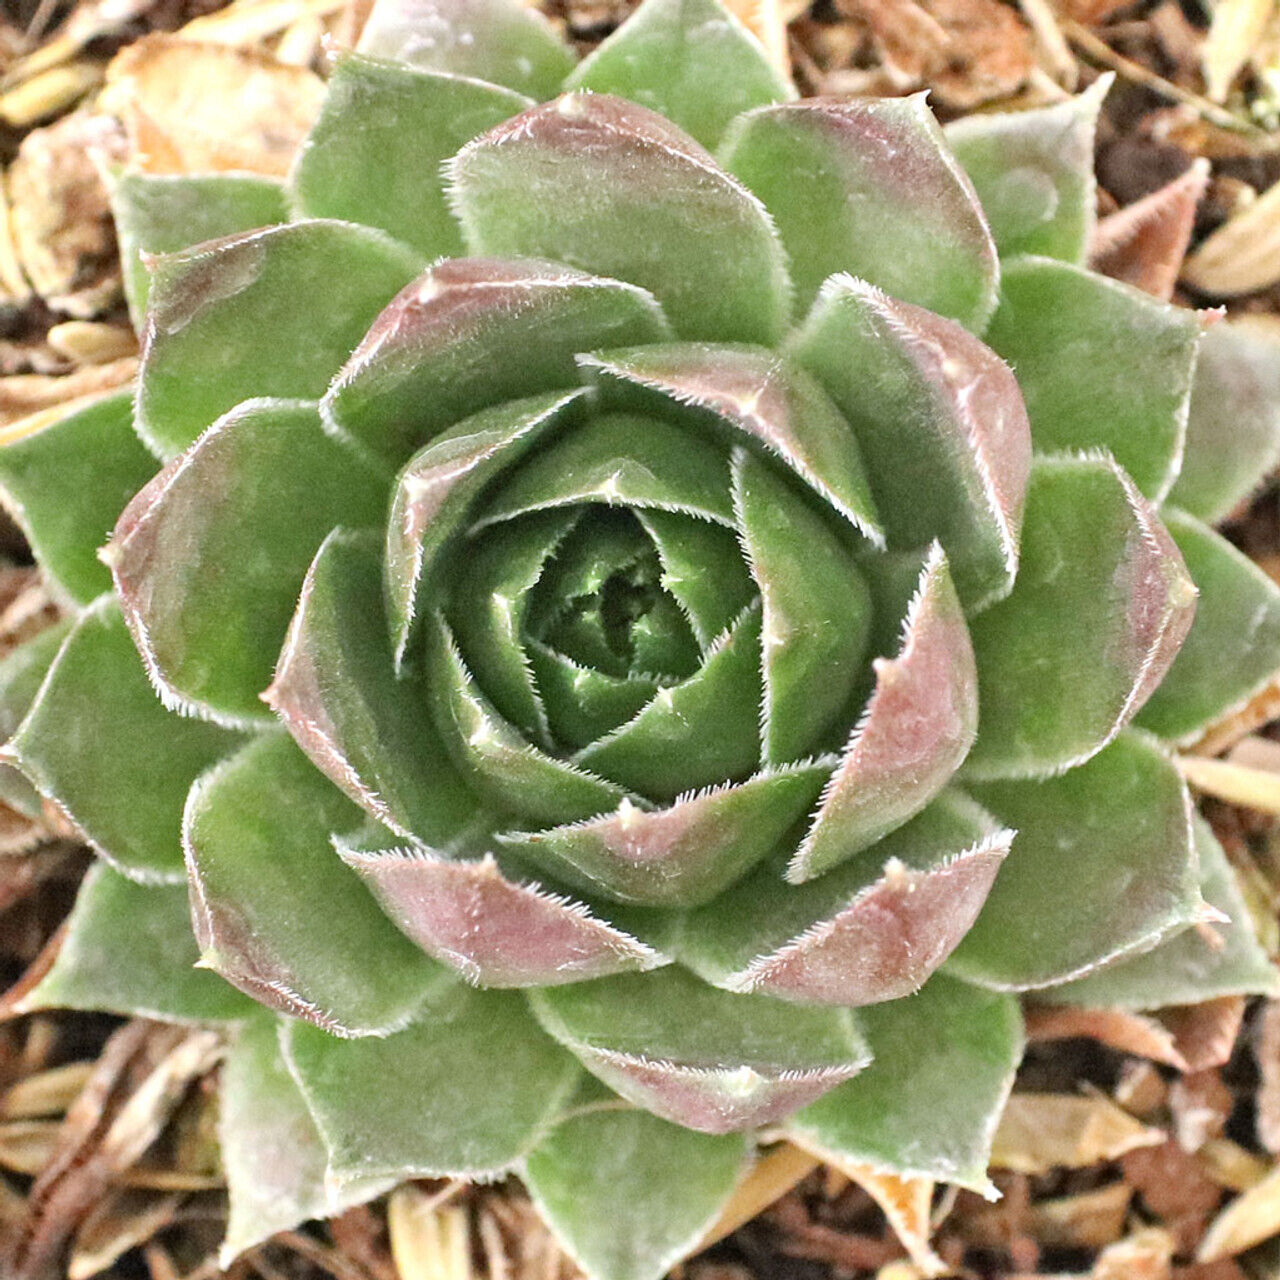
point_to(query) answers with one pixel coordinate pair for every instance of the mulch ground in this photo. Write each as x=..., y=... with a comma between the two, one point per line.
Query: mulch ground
x=1115, y=1165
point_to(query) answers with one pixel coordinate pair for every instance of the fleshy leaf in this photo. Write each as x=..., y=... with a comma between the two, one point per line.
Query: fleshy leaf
x=755, y=392
x=164, y=212
x=928, y=1104
x=1100, y=365
x=703, y=731
x=1233, y=427
x=128, y=949
x=464, y=1094
x=914, y=734
x=501, y=41
x=941, y=423
x=1033, y=172
x=435, y=491
x=628, y=1195
x=689, y=60
x=817, y=611
x=442, y=349
x=67, y=481
x=336, y=690
x=209, y=557
x=1102, y=603
x=682, y=855
x=582, y=703
x=99, y=744
x=615, y=189
x=698, y=1056
x=870, y=931
x=494, y=926
x=1103, y=867
x=22, y=672
x=276, y=912
x=1233, y=647
x=620, y=459
x=880, y=197
x=1206, y=963
x=267, y=313
x=1144, y=244
x=512, y=773
x=272, y=1154
x=374, y=154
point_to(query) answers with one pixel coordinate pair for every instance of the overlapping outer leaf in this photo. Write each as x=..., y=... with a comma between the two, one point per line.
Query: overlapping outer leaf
x=634, y=594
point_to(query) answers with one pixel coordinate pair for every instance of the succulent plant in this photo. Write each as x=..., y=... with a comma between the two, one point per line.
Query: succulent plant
x=637, y=620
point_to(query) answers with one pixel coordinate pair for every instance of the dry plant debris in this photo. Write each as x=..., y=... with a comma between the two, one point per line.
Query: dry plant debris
x=1134, y=1147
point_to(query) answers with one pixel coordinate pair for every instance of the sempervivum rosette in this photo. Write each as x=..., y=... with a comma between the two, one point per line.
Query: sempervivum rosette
x=623, y=570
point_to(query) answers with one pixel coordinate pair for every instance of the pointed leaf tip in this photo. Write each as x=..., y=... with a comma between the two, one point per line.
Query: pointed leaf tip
x=916, y=731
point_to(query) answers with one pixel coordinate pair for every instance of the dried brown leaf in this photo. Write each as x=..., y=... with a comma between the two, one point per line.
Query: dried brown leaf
x=1087, y=1220
x=47, y=1093
x=1204, y=1034
x=1175, y=1188
x=247, y=23
x=29, y=401
x=1249, y=1219
x=49, y=94
x=89, y=342
x=1043, y=1131
x=192, y=107
x=1229, y=1165
x=1236, y=784
x=1145, y=1255
x=906, y=1203
x=428, y=1241
x=120, y=1222
x=1261, y=709
x=1136, y=1033
x=774, y=1173
x=1234, y=32
x=1243, y=255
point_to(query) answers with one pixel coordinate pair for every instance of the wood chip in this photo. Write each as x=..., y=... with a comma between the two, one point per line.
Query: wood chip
x=194, y=107
x=1204, y=1034
x=1243, y=255
x=1087, y=1220
x=248, y=22
x=89, y=342
x=1249, y=1219
x=774, y=1173
x=1140, y=1034
x=1145, y=1255
x=428, y=1242
x=25, y=394
x=1229, y=1165
x=1043, y=1131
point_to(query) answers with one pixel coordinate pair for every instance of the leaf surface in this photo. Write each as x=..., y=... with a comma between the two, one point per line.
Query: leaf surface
x=277, y=913
x=698, y=1056
x=1103, y=867
x=870, y=188
x=615, y=189
x=267, y=313
x=427, y=1101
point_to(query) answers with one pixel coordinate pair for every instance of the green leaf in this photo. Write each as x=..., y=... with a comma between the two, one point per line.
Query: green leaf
x=871, y=189
x=1233, y=426
x=941, y=424
x=99, y=744
x=502, y=41
x=753, y=392
x=1233, y=648
x=374, y=154
x=490, y=923
x=582, y=704
x=22, y=672
x=681, y=855
x=443, y=348
x=928, y=1105
x=272, y=1154
x=913, y=735
x=1033, y=172
x=700, y=732
x=817, y=611
x=1103, y=867
x=698, y=1056
x=268, y=313
x=209, y=557
x=164, y=212
x=872, y=930
x=67, y=481
x=505, y=768
x=463, y=1095
x=1219, y=959
x=128, y=949
x=628, y=1195
x=689, y=60
x=437, y=489
x=617, y=190
x=1101, y=606
x=620, y=459
x=1101, y=366
x=277, y=913
x=336, y=691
